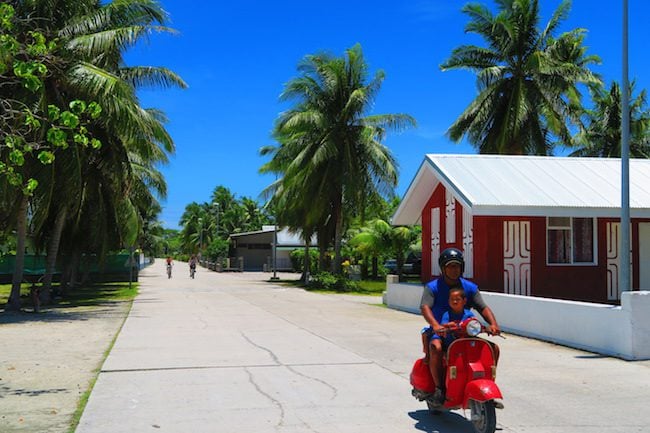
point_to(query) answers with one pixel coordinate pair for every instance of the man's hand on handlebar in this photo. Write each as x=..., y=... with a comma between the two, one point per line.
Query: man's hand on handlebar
x=447, y=327
x=493, y=329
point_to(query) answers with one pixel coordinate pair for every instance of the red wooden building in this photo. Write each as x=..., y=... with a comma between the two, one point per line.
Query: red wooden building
x=532, y=225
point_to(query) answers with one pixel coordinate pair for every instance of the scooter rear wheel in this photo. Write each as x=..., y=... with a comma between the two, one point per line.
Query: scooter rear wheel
x=484, y=417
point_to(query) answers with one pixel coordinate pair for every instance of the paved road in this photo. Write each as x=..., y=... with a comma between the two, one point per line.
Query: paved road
x=233, y=353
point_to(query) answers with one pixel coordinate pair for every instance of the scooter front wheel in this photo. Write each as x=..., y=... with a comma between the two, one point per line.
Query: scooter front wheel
x=484, y=417
x=435, y=409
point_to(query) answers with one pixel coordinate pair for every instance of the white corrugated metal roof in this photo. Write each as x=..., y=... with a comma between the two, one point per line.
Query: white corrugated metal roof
x=285, y=236
x=528, y=186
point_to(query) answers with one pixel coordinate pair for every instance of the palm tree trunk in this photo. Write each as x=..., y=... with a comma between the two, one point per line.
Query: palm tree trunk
x=74, y=268
x=306, y=264
x=21, y=233
x=322, y=250
x=364, y=267
x=52, y=252
x=338, y=236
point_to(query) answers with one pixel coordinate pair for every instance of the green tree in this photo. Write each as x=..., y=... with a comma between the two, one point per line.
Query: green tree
x=328, y=142
x=218, y=249
x=101, y=202
x=404, y=240
x=255, y=216
x=203, y=223
x=299, y=216
x=196, y=221
x=378, y=239
x=124, y=182
x=527, y=79
x=601, y=136
x=373, y=241
x=32, y=126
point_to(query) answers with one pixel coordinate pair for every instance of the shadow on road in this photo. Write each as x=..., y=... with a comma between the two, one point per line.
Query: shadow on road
x=446, y=422
x=6, y=391
x=591, y=356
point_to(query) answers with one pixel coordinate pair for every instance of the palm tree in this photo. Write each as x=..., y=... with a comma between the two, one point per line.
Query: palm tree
x=255, y=216
x=197, y=227
x=223, y=197
x=404, y=239
x=152, y=237
x=527, y=79
x=373, y=240
x=299, y=216
x=136, y=135
x=89, y=66
x=328, y=143
x=601, y=136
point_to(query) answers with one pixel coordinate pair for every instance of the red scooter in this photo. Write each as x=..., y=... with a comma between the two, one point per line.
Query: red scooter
x=470, y=372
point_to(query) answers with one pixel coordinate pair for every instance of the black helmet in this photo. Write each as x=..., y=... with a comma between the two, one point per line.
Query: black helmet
x=451, y=255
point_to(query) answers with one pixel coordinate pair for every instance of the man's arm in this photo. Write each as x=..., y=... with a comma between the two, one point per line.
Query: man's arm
x=431, y=320
x=486, y=312
x=488, y=315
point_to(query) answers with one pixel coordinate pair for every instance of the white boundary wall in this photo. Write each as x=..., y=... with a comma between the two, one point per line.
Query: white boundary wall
x=621, y=331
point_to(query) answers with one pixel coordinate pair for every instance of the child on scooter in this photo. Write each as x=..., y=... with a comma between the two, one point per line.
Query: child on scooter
x=450, y=319
x=456, y=314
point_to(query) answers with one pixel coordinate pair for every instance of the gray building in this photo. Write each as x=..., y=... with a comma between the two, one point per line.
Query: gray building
x=256, y=248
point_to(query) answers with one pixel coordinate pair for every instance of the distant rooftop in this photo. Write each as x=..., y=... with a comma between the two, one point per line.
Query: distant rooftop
x=285, y=237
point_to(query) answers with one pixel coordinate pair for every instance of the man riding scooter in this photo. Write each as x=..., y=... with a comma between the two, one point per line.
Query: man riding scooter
x=435, y=302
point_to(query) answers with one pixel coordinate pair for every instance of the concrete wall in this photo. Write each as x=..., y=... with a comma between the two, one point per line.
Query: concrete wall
x=621, y=331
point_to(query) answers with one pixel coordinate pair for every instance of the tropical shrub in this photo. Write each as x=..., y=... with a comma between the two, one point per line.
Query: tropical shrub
x=337, y=283
x=217, y=249
x=298, y=260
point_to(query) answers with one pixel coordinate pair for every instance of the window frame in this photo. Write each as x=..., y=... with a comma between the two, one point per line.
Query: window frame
x=594, y=239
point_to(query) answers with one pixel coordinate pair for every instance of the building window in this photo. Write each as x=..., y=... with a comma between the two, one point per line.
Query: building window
x=258, y=246
x=570, y=240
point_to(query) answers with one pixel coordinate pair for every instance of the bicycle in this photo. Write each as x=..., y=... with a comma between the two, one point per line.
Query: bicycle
x=169, y=270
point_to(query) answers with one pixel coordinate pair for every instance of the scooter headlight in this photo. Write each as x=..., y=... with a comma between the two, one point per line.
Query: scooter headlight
x=473, y=328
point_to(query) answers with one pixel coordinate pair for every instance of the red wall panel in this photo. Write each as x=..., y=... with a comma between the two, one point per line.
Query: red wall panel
x=571, y=282
x=488, y=253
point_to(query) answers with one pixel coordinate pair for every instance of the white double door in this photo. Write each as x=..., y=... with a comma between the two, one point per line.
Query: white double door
x=613, y=261
x=644, y=256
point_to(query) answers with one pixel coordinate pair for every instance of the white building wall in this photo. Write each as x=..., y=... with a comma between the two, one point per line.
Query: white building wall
x=621, y=331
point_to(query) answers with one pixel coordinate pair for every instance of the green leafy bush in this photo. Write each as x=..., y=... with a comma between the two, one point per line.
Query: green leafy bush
x=336, y=283
x=218, y=249
x=298, y=260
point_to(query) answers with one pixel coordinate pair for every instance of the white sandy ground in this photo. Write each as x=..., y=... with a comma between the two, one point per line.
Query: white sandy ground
x=48, y=360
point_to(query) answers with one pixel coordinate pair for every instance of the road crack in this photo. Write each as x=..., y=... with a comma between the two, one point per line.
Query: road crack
x=273, y=400
x=292, y=369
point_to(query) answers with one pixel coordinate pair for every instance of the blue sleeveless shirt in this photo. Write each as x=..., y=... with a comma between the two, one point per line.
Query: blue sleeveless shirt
x=440, y=291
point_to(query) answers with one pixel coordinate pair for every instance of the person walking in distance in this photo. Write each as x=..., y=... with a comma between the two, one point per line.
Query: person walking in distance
x=192, y=266
x=169, y=264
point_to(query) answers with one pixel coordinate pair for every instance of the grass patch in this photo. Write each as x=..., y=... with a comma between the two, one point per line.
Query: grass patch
x=5, y=291
x=79, y=296
x=372, y=287
x=366, y=287
x=98, y=294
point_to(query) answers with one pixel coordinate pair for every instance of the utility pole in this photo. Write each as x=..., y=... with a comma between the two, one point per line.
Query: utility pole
x=624, y=281
x=216, y=205
x=200, y=237
x=275, y=252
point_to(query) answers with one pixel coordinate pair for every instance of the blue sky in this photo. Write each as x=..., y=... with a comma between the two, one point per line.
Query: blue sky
x=237, y=56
